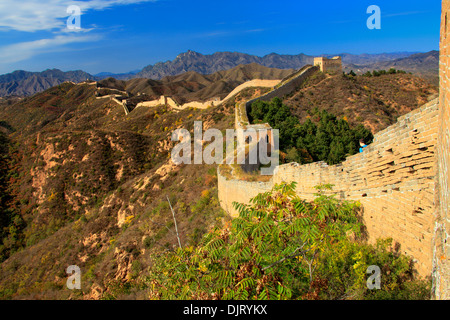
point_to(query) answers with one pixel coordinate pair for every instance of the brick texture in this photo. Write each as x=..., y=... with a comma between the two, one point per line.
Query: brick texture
x=441, y=261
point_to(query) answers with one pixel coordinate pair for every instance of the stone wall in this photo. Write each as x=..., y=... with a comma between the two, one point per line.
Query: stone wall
x=441, y=261
x=394, y=179
x=152, y=103
x=285, y=88
x=333, y=65
x=234, y=190
x=206, y=104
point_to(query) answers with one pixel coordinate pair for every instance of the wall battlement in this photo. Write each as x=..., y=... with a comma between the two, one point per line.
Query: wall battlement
x=333, y=65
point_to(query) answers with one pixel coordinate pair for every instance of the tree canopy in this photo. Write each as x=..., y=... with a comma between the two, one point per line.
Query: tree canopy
x=321, y=137
x=283, y=247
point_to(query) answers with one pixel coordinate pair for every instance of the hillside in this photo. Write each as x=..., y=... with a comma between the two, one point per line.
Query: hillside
x=88, y=186
x=425, y=65
x=375, y=102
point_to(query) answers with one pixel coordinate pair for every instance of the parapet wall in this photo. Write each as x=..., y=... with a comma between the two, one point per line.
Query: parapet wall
x=233, y=190
x=441, y=261
x=286, y=86
x=394, y=179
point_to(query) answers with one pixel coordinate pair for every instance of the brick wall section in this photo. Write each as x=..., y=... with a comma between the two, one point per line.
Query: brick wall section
x=233, y=190
x=286, y=87
x=394, y=179
x=441, y=262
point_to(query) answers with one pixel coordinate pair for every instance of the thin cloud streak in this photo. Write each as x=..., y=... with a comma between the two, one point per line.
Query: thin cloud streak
x=25, y=50
x=402, y=13
x=48, y=15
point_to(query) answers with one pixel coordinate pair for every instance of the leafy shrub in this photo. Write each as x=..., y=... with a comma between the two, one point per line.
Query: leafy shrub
x=282, y=247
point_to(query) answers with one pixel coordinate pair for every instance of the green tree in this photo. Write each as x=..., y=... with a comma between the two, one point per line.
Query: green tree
x=293, y=155
x=282, y=247
x=337, y=152
x=312, y=139
x=392, y=71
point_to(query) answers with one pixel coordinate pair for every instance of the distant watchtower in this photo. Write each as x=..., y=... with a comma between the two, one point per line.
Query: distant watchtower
x=333, y=65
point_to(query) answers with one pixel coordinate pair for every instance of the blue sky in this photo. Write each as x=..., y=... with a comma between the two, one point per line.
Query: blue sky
x=122, y=35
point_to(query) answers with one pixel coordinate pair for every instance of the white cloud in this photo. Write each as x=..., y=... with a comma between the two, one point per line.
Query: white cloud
x=48, y=16
x=39, y=15
x=24, y=50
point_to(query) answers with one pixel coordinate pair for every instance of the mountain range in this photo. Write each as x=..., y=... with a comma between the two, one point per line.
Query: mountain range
x=23, y=83
x=206, y=64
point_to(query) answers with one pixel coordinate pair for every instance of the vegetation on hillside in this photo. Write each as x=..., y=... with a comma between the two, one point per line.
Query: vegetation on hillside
x=377, y=73
x=11, y=222
x=89, y=187
x=322, y=137
x=373, y=101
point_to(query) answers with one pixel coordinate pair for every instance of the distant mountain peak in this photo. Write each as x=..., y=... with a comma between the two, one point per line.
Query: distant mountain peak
x=25, y=83
x=188, y=54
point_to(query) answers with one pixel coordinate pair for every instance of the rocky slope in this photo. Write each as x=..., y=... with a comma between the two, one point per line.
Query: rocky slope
x=88, y=186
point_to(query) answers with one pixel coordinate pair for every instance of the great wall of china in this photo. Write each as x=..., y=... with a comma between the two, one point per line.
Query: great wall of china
x=401, y=179
x=168, y=101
